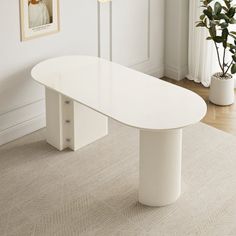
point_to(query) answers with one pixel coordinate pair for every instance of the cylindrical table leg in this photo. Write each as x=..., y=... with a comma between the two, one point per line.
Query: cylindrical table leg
x=160, y=167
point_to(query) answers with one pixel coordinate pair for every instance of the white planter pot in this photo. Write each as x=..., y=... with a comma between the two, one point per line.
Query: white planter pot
x=222, y=90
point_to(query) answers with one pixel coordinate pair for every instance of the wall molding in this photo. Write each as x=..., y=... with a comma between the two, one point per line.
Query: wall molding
x=104, y=16
x=147, y=54
x=21, y=121
x=20, y=107
x=157, y=72
x=22, y=129
x=104, y=29
x=21, y=114
x=176, y=52
x=176, y=73
x=148, y=39
x=150, y=69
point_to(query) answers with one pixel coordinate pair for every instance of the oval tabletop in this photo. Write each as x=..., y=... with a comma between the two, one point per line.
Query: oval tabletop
x=126, y=95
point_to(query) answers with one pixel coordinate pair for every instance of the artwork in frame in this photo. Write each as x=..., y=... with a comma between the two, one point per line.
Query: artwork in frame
x=39, y=18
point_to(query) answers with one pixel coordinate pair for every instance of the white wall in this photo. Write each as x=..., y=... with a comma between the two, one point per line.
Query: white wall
x=138, y=34
x=22, y=100
x=176, y=38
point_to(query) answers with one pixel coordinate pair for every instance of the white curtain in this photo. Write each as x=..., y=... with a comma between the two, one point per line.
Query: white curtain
x=202, y=60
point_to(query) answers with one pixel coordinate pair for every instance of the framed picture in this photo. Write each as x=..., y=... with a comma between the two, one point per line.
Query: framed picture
x=39, y=18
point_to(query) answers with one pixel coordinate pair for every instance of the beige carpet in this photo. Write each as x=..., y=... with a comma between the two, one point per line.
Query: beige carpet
x=94, y=191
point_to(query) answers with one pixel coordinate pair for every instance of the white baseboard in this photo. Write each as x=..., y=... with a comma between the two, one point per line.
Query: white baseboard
x=175, y=73
x=22, y=121
x=154, y=71
x=22, y=129
x=157, y=72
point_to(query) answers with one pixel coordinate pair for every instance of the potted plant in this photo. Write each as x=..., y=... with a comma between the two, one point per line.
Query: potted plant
x=218, y=17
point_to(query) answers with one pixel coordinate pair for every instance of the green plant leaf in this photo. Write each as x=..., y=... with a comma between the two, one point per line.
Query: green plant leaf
x=205, y=2
x=224, y=17
x=232, y=47
x=231, y=12
x=209, y=1
x=200, y=24
x=234, y=58
x=225, y=8
x=218, y=39
x=210, y=9
x=212, y=31
x=209, y=38
x=227, y=3
x=225, y=34
x=208, y=14
x=233, y=69
x=232, y=21
x=217, y=8
x=224, y=25
x=202, y=17
x=233, y=36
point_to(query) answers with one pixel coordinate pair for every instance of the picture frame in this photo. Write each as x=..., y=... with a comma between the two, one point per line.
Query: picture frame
x=39, y=18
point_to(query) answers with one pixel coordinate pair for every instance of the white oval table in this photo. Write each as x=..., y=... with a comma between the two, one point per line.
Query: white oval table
x=82, y=91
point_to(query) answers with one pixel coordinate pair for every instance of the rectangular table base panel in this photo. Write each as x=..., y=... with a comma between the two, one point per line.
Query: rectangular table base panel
x=71, y=124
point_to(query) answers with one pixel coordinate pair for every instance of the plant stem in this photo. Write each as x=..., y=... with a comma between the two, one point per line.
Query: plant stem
x=218, y=56
x=224, y=63
x=229, y=66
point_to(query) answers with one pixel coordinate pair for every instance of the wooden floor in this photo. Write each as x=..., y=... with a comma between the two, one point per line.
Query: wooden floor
x=223, y=118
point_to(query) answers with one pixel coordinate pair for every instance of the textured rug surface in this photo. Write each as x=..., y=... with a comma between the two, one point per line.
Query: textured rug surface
x=94, y=191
